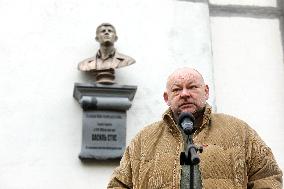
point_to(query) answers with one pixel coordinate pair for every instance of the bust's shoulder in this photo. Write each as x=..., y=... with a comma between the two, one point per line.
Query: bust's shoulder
x=125, y=58
x=85, y=64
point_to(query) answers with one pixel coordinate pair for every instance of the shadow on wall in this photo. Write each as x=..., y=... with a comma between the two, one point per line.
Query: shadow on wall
x=102, y=163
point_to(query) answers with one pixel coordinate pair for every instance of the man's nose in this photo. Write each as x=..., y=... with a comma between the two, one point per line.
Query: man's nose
x=106, y=32
x=185, y=92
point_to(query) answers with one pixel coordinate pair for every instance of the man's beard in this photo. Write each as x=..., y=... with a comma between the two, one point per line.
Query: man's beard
x=197, y=113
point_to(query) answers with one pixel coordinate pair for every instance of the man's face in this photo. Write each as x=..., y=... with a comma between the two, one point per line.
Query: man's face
x=106, y=35
x=186, y=92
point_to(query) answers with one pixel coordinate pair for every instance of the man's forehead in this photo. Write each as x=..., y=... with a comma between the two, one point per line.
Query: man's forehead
x=184, y=75
x=104, y=27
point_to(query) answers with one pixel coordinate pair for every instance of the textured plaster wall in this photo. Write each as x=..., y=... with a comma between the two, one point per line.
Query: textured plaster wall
x=41, y=43
x=249, y=75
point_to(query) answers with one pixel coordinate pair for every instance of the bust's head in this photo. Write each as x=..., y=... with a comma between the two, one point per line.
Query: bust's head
x=106, y=34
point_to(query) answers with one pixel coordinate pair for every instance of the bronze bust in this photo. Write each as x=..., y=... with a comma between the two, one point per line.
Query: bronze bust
x=107, y=59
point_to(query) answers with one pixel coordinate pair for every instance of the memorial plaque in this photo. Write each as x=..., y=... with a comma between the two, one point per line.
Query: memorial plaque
x=104, y=134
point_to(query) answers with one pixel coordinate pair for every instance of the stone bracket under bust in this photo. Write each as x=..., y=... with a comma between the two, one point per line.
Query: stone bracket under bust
x=107, y=58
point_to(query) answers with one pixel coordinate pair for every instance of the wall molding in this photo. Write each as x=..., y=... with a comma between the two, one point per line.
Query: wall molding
x=245, y=11
x=265, y=12
x=196, y=1
x=252, y=12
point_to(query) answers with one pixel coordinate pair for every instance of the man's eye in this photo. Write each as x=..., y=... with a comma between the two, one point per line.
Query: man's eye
x=175, y=90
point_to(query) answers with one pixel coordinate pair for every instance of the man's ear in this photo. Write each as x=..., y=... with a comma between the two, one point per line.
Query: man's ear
x=116, y=38
x=206, y=92
x=166, y=98
x=96, y=38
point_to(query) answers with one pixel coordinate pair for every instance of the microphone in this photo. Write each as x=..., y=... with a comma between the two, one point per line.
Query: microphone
x=186, y=121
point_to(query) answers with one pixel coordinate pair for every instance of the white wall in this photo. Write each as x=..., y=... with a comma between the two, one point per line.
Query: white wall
x=41, y=43
x=249, y=75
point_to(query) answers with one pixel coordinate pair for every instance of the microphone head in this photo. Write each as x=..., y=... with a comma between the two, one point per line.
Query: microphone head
x=184, y=115
x=186, y=122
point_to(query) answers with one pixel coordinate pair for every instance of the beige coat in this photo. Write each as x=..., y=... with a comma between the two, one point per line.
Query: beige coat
x=234, y=156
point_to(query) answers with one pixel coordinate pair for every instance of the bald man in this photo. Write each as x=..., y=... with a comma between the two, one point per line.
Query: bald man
x=234, y=156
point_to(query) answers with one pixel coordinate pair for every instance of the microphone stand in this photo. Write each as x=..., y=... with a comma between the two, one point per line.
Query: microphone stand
x=190, y=157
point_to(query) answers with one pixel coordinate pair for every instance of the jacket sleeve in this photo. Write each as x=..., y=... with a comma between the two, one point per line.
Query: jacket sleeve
x=263, y=171
x=122, y=175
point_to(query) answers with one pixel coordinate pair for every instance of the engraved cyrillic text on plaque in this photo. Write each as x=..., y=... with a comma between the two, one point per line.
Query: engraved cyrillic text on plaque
x=103, y=134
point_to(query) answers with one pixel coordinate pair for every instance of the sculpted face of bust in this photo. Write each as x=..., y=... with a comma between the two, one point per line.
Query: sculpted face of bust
x=106, y=35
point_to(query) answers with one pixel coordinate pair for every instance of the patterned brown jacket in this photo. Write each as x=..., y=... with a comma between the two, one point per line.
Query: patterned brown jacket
x=234, y=156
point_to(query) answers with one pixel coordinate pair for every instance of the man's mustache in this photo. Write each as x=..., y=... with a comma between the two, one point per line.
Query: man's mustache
x=186, y=103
